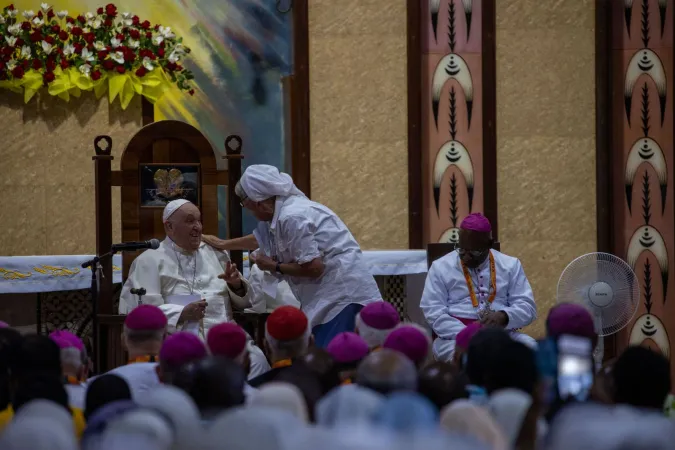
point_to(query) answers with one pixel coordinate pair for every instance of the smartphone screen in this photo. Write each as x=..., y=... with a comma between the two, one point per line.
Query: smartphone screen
x=575, y=367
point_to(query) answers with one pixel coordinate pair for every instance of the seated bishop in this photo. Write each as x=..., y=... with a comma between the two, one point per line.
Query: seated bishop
x=475, y=283
x=193, y=284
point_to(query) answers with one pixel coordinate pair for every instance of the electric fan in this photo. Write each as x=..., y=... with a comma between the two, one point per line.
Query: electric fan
x=607, y=286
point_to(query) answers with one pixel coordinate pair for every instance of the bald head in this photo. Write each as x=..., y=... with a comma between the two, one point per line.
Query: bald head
x=183, y=224
x=387, y=371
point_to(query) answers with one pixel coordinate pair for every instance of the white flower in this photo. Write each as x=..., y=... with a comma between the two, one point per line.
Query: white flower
x=174, y=57
x=128, y=22
x=118, y=57
x=127, y=15
x=86, y=30
x=68, y=49
x=87, y=55
x=37, y=22
x=85, y=69
x=157, y=40
x=12, y=13
x=89, y=15
x=45, y=7
x=147, y=63
x=166, y=32
x=11, y=40
x=98, y=45
x=62, y=14
x=69, y=26
x=14, y=29
x=133, y=44
x=114, y=42
x=28, y=14
x=25, y=51
x=47, y=47
x=96, y=24
x=11, y=64
x=179, y=49
x=2, y=19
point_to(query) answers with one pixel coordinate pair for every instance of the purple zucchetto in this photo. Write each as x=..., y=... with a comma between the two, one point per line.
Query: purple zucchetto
x=348, y=347
x=476, y=222
x=145, y=317
x=572, y=319
x=66, y=339
x=409, y=341
x=380, y=315
x=464, y=337
x=181, y=348
x=4, y=324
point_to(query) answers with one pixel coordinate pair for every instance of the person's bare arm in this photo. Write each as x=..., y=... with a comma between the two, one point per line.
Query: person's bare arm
x=243, y=243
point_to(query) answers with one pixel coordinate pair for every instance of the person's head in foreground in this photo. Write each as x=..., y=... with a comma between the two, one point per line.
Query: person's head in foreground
x=229, y=340
x=104, y=390
x=462, y=342
x=282, y=396
x=442, y=383
x=145, y=328
x=411, y=341
x=40, y=387
x=407, y=412
x=517, y=414
x=387, y=371
x=177, y=350
x=258, y=188
x=10, y=343
x=348, y=350
x=375, y=321
x=214, y=383
x=41, y=425
x=36, y=355
x=287, y=334
x=571, y=319
x=323, y=366
x=475, y=240
x=485, y=345
x=465, y=417
x=74, y=359
x=349, y=404
x=641, y=378
x=183, y=224
x=515, y=366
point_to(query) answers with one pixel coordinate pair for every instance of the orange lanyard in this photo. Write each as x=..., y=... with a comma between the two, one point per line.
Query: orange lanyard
x=73, y=380
x=346, y=382
x=144, y=359
x=493, y=282
x=282, y=363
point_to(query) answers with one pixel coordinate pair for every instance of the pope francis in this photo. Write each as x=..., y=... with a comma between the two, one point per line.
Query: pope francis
x=194, y=284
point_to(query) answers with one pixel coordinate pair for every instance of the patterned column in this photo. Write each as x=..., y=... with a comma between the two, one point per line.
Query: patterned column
x=642, y=155
x=452, y=115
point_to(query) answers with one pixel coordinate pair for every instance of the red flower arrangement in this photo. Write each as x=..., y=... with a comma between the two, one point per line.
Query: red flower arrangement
x=87, y=50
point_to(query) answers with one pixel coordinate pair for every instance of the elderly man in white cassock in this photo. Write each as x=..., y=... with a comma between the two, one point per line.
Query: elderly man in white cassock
x=476, y=284
x=306, y=244
x=194, y=284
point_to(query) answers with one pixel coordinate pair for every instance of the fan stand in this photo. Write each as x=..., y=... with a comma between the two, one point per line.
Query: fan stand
x=601, y=296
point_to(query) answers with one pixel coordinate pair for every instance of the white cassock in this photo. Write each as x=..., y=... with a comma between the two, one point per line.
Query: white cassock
x=258, y=279
x=76, y=395
x=301, y=231
x=171, y=271
x=141, y=378
x=446, y=298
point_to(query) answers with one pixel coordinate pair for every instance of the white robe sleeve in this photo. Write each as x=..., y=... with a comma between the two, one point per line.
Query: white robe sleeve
x=144, y=273
x=522, y=310
x=256, y=278
x=240, y=302
x=434, y=305
x=299, y=234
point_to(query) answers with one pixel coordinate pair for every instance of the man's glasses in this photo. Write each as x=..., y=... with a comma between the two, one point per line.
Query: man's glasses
x=472, y=253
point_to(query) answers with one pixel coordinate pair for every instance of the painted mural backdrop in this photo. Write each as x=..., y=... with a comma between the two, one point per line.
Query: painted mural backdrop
x=241, y=50
x=643, y=170
x=452, y=119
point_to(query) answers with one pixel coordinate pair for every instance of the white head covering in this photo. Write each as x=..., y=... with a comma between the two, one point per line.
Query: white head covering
x=180, y=409
x=261, y=182
x=509, y=408
x=138, y=429
x=283, y=396
x=348, y=404
x=47, y=410
x=172, y=207
x=256, y=428
x=465, y=417
x=38, y=433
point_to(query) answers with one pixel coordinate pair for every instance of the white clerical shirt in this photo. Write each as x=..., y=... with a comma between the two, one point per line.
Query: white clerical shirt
x=446, y=294
x=170, y=270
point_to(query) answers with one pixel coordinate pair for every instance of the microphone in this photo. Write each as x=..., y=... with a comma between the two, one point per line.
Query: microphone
x=152, y=244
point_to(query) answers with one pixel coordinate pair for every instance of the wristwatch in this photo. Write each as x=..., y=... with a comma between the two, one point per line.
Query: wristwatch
x=279, y=269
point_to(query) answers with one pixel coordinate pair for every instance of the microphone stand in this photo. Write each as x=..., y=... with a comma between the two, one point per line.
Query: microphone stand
x=95, y=265
x=140, y=292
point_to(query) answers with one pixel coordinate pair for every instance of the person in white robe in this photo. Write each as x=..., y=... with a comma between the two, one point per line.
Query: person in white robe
x=306, y=244
x=194, y=284
x=264, y=301
x=476, y=283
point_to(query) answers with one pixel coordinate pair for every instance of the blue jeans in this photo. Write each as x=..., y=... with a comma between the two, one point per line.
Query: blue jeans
x=345, y=321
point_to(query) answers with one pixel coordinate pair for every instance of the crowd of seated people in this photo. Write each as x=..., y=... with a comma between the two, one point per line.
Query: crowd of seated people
x=375, y=388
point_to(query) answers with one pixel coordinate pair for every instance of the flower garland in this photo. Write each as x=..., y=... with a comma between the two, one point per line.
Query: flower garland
x=102, y=51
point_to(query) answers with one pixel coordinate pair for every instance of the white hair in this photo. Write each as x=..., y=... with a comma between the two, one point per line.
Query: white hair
x=142, y=336
x=239, y=191
x=288, y=349
x=373, y=336
x=72, y=357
